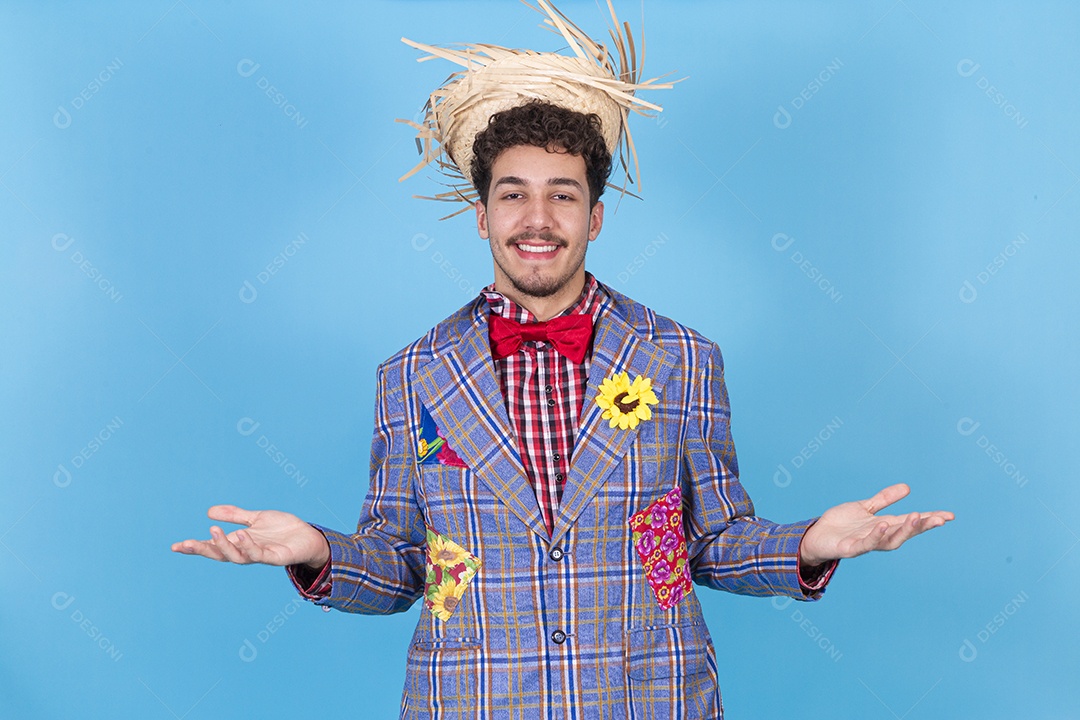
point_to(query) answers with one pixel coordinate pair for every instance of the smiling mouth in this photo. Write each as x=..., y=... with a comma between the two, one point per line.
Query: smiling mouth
x=537, y=245
x=537, y=249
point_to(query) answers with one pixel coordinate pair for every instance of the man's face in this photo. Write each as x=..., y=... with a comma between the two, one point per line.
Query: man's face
x=539, y=223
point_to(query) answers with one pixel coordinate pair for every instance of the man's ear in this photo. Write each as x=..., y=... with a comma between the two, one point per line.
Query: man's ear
x=596, y=219
x=481, y=219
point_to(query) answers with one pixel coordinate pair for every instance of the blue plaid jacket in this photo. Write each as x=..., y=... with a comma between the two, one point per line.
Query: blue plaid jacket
x=565, y=626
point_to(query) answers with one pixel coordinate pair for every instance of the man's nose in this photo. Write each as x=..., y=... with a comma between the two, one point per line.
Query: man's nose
x=538, y=214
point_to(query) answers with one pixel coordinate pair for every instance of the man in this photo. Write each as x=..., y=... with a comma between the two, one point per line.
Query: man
x=551, y=467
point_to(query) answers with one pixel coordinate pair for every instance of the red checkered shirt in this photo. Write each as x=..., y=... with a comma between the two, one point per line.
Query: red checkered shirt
x=544, y=391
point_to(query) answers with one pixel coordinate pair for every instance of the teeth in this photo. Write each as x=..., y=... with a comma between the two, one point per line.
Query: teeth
x=537, y=248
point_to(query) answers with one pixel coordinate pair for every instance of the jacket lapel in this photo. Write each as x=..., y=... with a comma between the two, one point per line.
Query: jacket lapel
x=618, y=346
x=461, y=391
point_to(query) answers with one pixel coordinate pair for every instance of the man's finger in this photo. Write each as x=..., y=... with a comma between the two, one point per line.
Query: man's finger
x=868, y=542
x=901, y=533
x=914, y=524
x=232, y=514
x=198, y=547
x=251, y=551
x=886, y=497
x=230, y=551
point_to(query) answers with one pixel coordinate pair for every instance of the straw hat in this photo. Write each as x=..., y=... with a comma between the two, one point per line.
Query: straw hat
x=590, y=80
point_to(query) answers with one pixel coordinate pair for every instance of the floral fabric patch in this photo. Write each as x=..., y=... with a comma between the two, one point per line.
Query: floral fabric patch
x=432, y=447
x=450, y=567
x=446, y=454
x=661, y=545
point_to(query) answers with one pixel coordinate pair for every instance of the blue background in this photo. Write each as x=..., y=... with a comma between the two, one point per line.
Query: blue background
x=921, y=308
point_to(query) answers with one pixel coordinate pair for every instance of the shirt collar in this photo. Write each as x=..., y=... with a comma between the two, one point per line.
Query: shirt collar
x=593, y=301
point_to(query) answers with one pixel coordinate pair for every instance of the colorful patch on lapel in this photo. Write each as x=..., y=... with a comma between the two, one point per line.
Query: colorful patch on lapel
x=450, y=568
x=432, y=446
x=661, y=545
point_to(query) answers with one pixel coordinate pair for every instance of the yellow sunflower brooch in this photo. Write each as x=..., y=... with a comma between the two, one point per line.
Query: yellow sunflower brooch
x=626, y=403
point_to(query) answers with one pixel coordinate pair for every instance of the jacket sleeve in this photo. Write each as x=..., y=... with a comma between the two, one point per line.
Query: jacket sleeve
x=729, y=547
x=380, y=568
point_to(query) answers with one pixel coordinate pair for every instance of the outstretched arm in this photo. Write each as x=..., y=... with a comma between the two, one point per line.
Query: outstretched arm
x=852, y=529
x=729, y=546
x=379, y=569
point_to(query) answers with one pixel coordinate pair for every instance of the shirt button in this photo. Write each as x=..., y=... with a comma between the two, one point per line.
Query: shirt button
x=548, y=389
x=558, y=637
x=556, y=554
x=559, y=477
x=551, y=402
x=556, y=456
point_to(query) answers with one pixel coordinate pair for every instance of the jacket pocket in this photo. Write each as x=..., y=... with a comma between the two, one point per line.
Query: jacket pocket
x=442, y=678
x=671, y=673
x=666, y=651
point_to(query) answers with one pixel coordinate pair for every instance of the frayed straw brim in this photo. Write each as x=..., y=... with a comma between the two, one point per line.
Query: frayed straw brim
x=497, y=78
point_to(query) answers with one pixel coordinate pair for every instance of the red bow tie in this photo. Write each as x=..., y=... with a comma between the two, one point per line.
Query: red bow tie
x=570, y=334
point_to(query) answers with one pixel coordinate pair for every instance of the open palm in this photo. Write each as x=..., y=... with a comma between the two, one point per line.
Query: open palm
x=271, y=537
x=852, y=529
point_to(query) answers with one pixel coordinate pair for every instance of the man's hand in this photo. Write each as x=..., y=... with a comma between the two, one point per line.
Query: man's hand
x=271, y=538
x=852, y=529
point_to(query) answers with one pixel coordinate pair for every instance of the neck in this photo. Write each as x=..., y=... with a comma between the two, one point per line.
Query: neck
x=543, y=308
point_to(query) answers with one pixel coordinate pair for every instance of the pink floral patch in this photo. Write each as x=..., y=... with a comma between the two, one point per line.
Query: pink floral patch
x=447, y=456
x=661, y=545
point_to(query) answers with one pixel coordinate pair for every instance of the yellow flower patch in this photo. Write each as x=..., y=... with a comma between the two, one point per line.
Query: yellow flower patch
x=450, y=567
x=626, y=403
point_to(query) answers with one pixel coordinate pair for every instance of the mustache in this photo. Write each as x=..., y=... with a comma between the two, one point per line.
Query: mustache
x=547, y=237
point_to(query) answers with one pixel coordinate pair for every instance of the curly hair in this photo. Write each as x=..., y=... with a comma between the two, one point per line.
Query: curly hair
x=543, y=125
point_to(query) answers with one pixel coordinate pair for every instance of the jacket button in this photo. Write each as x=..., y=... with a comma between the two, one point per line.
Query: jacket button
x=558, y=637
x=556, y=554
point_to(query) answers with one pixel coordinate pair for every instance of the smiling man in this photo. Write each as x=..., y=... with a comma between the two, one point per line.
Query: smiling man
x=553, y=469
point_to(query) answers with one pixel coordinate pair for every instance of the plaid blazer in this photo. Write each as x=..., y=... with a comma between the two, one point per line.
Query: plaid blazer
x=566, y=626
